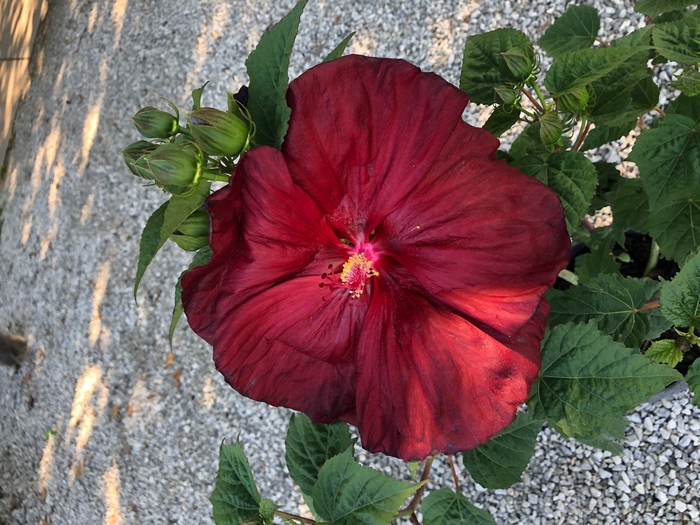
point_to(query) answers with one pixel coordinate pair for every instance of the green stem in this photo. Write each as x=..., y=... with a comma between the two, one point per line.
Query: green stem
x=287, y=516
x=585, y=126
x=653, y=258
x=213, y=175
x=184, y=130
x=533, y=85
x=568, y=276
x=408, y=511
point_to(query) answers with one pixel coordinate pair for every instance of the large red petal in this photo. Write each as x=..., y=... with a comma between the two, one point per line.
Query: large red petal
x=479, y=234
x=363, y=132
x=287, y=346
x=429, y=381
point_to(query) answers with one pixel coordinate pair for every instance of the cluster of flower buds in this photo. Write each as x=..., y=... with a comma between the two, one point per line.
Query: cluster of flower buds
x=193, y=232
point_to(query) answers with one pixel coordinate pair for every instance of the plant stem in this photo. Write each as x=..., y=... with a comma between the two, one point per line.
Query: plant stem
x=454, y=473
x=408, y=511
x=568, y=276
x=653, y=258
x=287, y=516
x=212, y=175
x=650, y=305
x=414, y=519
x=582, y=133
x=660, y=111
x=532, y=99
x=602, y=42
x=533, y=85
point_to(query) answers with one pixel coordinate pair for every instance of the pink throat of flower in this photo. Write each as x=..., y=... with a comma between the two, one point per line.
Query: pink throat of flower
x=353, y=276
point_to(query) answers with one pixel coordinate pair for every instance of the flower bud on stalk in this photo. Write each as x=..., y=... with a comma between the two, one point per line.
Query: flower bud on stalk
x=217, y=132
x=519, y=62
x=193, y=232
x=507, y=95
x=176, y=169
x=135, y=156
x=154, y=123
x=550, y=128
x=575, y=101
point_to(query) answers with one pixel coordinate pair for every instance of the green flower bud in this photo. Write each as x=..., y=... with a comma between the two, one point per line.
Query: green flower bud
x=519, y=62
x=154, y=123
x=575, y=101
x=174, y=168
x=507, y=95
x=135, y=156
x=193, y=232
x=550, y=128
x=217, y=132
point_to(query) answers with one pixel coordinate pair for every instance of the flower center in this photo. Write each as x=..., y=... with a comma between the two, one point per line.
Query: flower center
x=356, y=271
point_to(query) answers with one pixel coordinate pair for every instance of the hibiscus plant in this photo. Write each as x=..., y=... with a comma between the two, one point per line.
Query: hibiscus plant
x=369, y=258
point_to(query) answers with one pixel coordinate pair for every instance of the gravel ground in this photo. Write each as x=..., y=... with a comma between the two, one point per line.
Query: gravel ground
x=137, y=429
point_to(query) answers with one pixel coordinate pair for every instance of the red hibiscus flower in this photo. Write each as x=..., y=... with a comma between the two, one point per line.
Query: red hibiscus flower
x=384, y=268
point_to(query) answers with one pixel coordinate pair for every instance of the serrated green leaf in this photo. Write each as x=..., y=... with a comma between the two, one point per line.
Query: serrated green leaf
x=347, y=493
x=668, y=157
x=638, y=37
x=235, y=497
x=340, y=48
x=630, y=209
x=528, y=143
x=654, y=7
x=568, y=173
x=576, y=29
x=688, y=83
x=501, y=120
x=676, y=227
x=483, y=66
x=680, y=297
x=588, y=380
x=445, y=507
x=608, y=181
x=659, y=324
x=675, y=41
x=267, y=68
x=598, y=262
x=612, y=301
x=201, y=258
x=164, y=221
x=606, y=440
x=309, y=446
x=578, y=68
x=603, y=134
x=197, y=96
x=666, y=352
x=686, y=106
x=501, y=461
x=693, y=380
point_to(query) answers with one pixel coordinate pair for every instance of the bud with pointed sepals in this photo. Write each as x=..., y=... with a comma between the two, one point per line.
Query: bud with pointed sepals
x=520, y=62
x=217, y=132
x=507, y=95
x=193, y=232
x=550, y=128
x=176, y=169
x=135, y=156
x=575, y=101
x=154, y=123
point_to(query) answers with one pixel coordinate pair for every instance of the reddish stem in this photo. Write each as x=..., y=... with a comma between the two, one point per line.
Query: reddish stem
x=454, y=472
x=582, y=136
x=650, y=305
x=602, y=42
x=533, y=100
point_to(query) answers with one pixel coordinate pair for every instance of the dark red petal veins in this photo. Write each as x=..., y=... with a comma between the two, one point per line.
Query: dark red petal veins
x=363, y=132
x=288, y=347
x=429, y=381
x=479, y=234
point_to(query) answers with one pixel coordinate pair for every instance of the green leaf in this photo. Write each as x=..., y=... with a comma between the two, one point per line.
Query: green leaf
x=603, y=134
x=197, y=96
x=693, y=380
x=587, y=380
x=606, y=440
x=688, y=83
x=630, y=209
x=659, y=324
x=483, y=66
x=235, y=497
x=268, y=67
x=638, y=37
x=164, y=221
x=666, y=352
x=568, y=173
x=608, y=181
x=675, y=41
x=685, y=105
x=309, y=446
x=340, y=48
x=610, y=299
x=201, y=258
x=501, y=120
x=347, y=493
x=599, y=261
x=676, y=226
x=501, y=461
x=668, y=157
x=654, y=7
x=578, y=68
x=528, y=143
x=576, y=29
x=680, y=297
x=445, y=507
